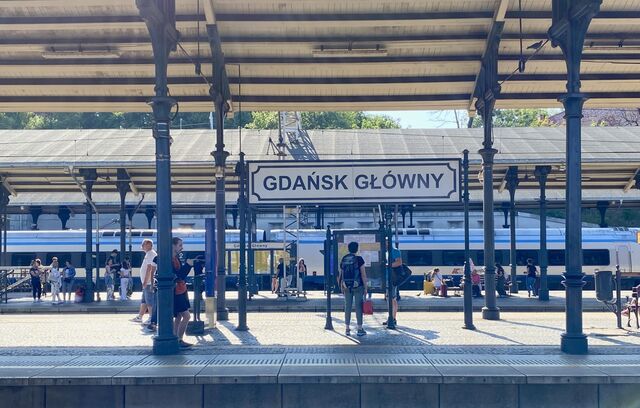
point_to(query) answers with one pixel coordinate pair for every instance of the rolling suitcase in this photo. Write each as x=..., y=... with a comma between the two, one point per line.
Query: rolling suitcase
x=443, y=290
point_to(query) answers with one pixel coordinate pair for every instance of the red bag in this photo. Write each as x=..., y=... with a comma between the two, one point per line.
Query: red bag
x=181, y=287
x=367, y=307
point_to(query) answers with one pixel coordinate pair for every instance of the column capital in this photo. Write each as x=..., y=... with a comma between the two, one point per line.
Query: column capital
x=487, y=155
x=571, y=21
x=512, y=179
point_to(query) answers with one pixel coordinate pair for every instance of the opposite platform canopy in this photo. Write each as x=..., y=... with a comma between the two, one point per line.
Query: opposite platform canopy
x=43, y=166
x=95, y=55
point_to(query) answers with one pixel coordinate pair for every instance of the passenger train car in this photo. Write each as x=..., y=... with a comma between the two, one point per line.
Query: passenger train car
x=422, y=250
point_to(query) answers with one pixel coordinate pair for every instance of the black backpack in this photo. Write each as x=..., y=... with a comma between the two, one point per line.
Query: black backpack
x=350, y=271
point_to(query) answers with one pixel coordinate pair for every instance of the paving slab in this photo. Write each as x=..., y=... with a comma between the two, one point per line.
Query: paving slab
x=169, y=370
x=86, y=370
x=242, y=369
x=544, y=374
x=16, y=370
x=558, y=396
x=396, y=368
x=474, y=369
x=319, y=368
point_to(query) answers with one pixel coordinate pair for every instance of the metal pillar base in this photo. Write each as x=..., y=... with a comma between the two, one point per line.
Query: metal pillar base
x=222, y=315
x=574, y=343
x=490, y=314
x=543, y=294
x=166, y=346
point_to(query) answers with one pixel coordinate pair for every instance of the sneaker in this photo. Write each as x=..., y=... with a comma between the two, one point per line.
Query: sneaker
x=385, y=323
x=361, y=332
x=184, y=344
x=136, y=319
x=150, y=328
x=347, y=332
x=146, y=322
x=35, y=301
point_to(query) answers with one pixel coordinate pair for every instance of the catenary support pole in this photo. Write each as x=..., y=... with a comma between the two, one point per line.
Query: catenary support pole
x=541, y=173
x=570, y=22
x=468, y=300
x=159, y=16
x=328, y=280
x=242, y=274
x=512, y=185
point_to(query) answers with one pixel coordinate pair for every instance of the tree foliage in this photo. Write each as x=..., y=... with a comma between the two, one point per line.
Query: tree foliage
x=249, y=120
x=518, y=118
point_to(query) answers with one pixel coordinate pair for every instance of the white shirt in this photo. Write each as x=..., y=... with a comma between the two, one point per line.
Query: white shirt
x=55, y=275
x=148, y=260
x=437, y=279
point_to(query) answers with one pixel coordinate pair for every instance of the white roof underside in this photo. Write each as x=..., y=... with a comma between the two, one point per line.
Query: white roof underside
x=428, y=55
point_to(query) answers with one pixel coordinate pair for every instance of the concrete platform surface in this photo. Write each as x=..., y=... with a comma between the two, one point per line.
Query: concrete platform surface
x=412, y=300
x=296, y=368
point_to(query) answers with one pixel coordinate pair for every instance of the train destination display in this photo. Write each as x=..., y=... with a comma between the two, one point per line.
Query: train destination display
x=383, y=181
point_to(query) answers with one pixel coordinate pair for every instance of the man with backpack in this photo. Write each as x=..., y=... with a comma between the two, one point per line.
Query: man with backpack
x=353, y=282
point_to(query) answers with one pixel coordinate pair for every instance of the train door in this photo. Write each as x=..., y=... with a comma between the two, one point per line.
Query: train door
x=623, y=258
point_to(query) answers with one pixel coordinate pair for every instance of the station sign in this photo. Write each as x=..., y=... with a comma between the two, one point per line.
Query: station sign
x=256, y=245
x=359, y=181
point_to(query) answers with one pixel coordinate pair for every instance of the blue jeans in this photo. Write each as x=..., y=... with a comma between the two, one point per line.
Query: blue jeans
x=531, y=284
x=351, y=296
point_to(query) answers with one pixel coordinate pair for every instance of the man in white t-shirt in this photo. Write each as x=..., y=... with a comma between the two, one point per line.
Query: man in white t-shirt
x=147, y=269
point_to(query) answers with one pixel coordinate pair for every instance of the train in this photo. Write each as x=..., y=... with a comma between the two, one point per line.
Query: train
x=422, y=250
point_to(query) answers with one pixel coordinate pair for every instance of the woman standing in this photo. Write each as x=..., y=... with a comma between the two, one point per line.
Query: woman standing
x=36, y=284
x=181, y=298
x=69, y=274
x=302, y=271
x=109, y=280
x=55, y=280
x=125, y=275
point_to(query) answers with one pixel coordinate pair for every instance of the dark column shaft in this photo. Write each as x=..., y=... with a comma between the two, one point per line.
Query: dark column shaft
x=242, y=275
x=541, y=174
x=571, y=21
x=512, y=185
x=490, y=311
x=220, y=157
x=468, y=301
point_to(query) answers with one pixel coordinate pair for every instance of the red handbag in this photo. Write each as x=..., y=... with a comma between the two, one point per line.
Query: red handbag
x=367, y=307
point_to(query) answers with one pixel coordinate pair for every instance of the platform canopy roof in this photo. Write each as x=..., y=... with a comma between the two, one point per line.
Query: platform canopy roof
x=95, y=55
x=42, y=167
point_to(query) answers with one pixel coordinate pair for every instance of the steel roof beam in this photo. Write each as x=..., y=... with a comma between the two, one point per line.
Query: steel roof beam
x=494, y=36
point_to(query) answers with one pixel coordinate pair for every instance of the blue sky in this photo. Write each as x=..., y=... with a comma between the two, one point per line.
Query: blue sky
x=427, y=119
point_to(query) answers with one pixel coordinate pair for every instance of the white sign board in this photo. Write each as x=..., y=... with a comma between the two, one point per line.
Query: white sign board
x=360, y=181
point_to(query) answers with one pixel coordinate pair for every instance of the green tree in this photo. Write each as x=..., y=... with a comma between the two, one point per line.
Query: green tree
x=263, y=120
x=517, y=118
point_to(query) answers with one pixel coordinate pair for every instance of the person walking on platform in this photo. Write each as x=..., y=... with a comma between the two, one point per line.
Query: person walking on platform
x=68, y=275
x=352, y=279
x=532, y=274
x=55, y=280
x=146, y=277
x=36, y=284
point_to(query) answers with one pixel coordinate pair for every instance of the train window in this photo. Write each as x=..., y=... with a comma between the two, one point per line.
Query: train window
x=22, y=258
x=452, y=258
x=523, y=254
x=593, y=257
x=411, y=231
x=147, y=233
x=555, y=257
x=419, y=258
x=424, y=231
x=107, y=234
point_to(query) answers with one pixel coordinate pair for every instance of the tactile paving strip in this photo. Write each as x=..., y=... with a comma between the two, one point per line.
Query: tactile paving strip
x=236, y=361
x=177, y=361
x=307, y=360
x=108, y=361
x=466, y=361
x=35, y=361
x=392, y=360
